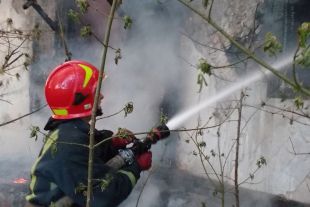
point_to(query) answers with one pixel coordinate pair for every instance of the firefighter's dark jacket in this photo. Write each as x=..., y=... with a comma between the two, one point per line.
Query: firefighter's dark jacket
x=61, y=168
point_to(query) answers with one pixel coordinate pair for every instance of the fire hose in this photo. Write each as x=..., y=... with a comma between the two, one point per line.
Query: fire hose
x=126, y=156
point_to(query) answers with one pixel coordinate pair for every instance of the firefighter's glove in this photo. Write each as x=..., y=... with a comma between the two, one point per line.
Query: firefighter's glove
x=145, y=160
x=122, y=138
x=127, y=156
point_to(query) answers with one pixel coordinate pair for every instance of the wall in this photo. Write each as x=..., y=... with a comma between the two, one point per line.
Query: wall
x=265, y=134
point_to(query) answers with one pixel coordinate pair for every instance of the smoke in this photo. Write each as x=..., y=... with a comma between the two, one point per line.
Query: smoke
x=149, y=73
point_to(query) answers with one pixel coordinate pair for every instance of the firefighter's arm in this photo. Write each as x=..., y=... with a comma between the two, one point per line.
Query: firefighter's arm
x=109, y=189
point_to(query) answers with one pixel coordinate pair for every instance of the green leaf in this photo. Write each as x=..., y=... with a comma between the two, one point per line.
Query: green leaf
x=85, y=31
x=34, y=132
x=204, y=66
x=74, y=15
x=128, y=108
x=271, y=44
x=163, y=118
x=36, y=32
x=118, y=56
x=127, y=22
x=202, y=144
x=260, y=162
x=201, y=81
x=303, y=57
x=299, y=103
x=303, y=34
x=82, y=5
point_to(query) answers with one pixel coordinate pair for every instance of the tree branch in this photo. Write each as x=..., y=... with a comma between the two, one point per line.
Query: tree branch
x=297, y=153
x=23, y=116
x=237, y=149
x=96, y=102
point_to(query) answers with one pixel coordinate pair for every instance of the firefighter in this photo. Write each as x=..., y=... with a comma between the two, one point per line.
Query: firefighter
x=59, y=175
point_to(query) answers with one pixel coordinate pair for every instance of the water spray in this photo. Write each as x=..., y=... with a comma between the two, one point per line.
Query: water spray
x=227, y=91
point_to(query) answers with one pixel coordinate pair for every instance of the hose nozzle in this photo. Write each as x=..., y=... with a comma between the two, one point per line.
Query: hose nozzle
x=158, y=133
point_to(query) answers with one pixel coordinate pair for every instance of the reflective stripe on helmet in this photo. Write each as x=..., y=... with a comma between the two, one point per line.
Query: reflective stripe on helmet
x=88, y=74
x=60, y=112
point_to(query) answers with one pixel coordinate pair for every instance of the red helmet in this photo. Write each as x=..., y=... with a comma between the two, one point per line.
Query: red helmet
x=70, y=89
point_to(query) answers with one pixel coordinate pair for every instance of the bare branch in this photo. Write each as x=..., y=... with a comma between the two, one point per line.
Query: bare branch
x=64, y=42
x=297, y=153
x=242, y=95
x=6, y=101
x=23, y=116
x=96, y=101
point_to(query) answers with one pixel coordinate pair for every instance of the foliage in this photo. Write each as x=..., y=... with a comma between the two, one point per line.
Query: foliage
x=83, y=5
x=303, y=57
x=163, y=119
x=213, y=153
x=123, y=133
x=303, y=53
x=203, y=68
x=127, y=22
x=74, y=15
x=303, y=34
x=260, y=162
x=201, y=81
x=85, y=31
x=118, y=56
x=271, y=44
x=34, y=132
x=202, y=144
x=36, y=32
x=128, y=108
x=299, y=103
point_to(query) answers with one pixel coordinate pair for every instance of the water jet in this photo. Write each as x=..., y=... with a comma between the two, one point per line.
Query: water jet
x=180, y=118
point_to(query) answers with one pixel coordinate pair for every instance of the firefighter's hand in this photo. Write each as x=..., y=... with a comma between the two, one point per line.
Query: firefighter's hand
x=123, y=138
x=145, y=160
